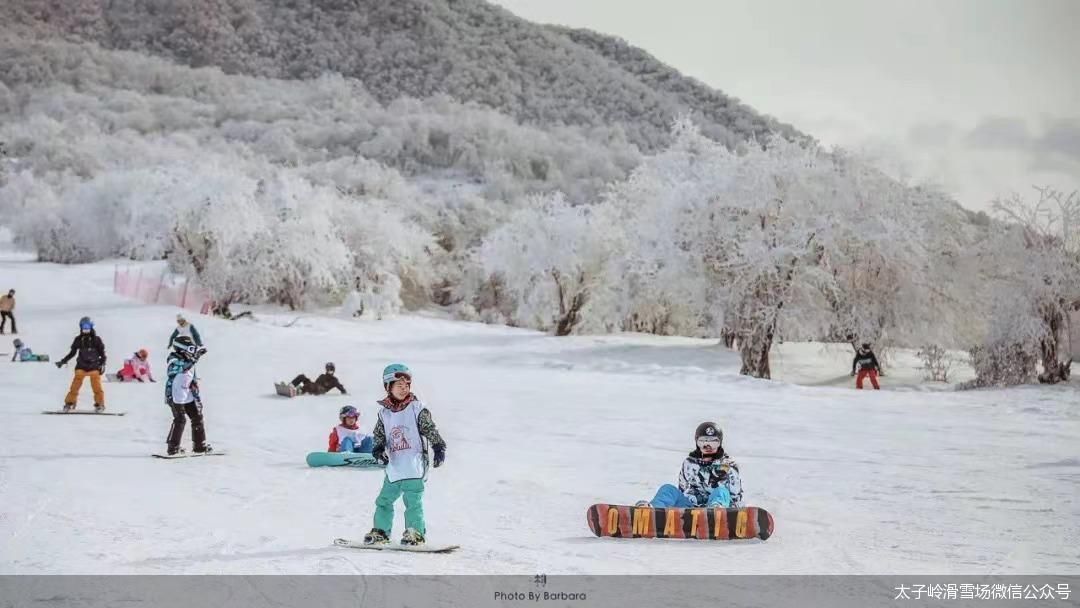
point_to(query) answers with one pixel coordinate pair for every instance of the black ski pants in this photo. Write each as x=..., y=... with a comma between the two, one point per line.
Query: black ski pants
x=176, y=431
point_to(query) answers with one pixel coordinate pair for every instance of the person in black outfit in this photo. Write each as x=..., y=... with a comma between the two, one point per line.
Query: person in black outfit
x=322, y=385
x=90, y=364
x=867, y=365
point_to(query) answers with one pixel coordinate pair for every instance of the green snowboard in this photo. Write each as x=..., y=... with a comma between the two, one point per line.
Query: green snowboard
x=356, y=460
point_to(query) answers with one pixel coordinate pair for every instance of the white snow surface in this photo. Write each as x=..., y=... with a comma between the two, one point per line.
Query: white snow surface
x=906, y=480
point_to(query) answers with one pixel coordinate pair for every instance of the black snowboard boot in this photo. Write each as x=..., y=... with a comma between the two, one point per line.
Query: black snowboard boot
x=173, y=450
x=376, y=537
x=412, y=536
x=99, y=408
x=69, y=407
x=202, y=448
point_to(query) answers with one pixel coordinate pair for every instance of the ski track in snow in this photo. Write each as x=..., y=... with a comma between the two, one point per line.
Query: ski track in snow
x=897, y=481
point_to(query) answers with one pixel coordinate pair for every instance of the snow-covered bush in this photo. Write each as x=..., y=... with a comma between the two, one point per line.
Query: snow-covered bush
x=936, y=362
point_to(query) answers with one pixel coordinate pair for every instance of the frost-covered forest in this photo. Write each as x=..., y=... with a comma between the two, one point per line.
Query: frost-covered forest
x=386, y=156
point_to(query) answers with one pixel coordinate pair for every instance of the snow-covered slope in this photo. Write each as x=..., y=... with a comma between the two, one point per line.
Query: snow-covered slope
x=538, y=429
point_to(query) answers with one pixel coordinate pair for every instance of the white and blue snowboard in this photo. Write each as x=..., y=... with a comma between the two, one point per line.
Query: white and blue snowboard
x=354, y=544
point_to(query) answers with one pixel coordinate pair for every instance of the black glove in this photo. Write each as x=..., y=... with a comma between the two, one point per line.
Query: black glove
x=380, y=456
x=59, y=364
x=440, y=455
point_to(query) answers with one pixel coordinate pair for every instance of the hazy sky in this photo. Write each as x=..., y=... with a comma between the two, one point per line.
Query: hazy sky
x=980, y=96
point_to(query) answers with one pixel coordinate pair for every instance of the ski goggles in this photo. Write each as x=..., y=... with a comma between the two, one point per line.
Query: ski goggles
x=707, y=441
x=406, y=378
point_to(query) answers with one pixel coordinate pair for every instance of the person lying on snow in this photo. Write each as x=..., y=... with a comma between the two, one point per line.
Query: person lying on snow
x=23, y=353
x=709, y=477
x=322, y=385
x=347, y=436
x=137, y=368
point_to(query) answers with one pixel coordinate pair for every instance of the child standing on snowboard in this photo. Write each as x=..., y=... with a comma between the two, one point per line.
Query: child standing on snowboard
x=347, y=436
x=709, y=477
x=182, y=396
x=402, y=435
x=867, y=365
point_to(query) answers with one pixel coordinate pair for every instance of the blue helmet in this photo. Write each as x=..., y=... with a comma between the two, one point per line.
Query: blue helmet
x=86, y=323
x=394, y=371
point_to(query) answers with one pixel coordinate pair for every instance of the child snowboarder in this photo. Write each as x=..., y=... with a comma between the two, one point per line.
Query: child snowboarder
x=137, y=368
x=183, y=328
x=322, y=385
x=867, y=365
x=182, y=396
x=709, y=477
x=23, y=353
x=90, y=364
x=402, y=435
x=347, y=436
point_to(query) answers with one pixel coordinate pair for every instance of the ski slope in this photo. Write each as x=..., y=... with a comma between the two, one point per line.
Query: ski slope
x=906, y=480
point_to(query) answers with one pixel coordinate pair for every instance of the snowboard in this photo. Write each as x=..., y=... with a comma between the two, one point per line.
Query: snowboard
x=621, y=521
x=285, y=389
x=357, y=460
x=188, y=455
x=353, y=544
x=37, y=359
x=84, y=412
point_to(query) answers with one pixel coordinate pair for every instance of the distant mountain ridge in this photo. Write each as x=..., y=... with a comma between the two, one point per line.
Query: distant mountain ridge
x=470, y=50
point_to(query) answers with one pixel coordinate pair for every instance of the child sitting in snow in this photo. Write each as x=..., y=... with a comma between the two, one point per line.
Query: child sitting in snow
x=709, y=477
x=347, y=436
x=137, y=368
x=23, y=353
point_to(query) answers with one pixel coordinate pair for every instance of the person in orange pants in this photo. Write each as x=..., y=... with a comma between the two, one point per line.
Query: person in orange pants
x=867, y=365
x=90, y=364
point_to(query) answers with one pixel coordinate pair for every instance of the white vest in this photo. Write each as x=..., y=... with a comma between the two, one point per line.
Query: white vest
x=181, y=387
x=344, y=432
x=404, y=447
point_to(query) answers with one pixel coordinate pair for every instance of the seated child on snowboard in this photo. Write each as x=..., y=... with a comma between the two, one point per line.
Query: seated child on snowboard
x=347, y=436
x=23, y=353
x=321, y=385
x=709, y=477
x=137, y=368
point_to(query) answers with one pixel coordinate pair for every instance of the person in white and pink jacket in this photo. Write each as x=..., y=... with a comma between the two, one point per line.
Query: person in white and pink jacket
x=137, y=368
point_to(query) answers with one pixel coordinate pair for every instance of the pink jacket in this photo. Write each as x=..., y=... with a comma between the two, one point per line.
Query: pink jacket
x=136, y=369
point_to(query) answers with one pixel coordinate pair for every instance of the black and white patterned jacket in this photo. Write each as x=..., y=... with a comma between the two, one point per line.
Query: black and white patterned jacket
x=699, y=477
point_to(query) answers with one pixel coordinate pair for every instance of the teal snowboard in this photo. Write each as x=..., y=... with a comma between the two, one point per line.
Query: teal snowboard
x=356, y=460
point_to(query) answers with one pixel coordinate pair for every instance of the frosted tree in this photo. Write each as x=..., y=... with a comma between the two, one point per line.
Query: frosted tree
x=215, y=239
x=767, y=238
x=303, y=255
x=556, y=260
x=1033, y=259
x=391, y=255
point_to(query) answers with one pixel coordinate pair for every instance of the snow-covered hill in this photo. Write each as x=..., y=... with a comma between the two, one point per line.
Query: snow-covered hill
x=539, y=428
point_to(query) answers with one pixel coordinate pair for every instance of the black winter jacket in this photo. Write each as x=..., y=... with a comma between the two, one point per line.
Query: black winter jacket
x=91, y=352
